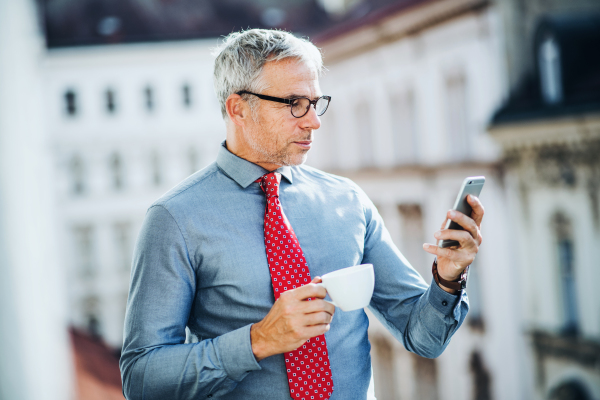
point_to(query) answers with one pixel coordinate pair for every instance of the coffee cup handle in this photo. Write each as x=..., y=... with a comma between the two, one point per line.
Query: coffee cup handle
x=330, y=302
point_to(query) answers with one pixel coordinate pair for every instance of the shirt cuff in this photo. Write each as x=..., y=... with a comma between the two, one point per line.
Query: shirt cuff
x=235, y=351
x=443, y=301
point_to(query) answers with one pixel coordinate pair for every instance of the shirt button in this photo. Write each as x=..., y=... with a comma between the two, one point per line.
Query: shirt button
x=444, y=303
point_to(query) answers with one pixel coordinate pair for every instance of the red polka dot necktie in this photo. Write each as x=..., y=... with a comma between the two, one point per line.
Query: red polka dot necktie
x=308, y=369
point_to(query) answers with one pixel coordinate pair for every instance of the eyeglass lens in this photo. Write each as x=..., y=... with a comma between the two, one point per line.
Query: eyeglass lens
x=300, y=106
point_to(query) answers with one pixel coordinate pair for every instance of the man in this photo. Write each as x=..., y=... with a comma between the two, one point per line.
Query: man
x=231, y=251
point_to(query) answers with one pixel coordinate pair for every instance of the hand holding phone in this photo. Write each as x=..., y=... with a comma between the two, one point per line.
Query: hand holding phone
x=456, y=250
x=471, y=186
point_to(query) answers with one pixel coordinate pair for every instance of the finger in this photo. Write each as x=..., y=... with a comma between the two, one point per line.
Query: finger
x=320, y=318
x=307, y=291
x=463, y=237
x=316, y=330
x=457, y=256
x=438, y=251
x=478, y=211
x=318, y=305
x=467, y=223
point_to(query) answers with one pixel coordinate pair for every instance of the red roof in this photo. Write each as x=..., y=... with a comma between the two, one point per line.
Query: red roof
x=96, y=368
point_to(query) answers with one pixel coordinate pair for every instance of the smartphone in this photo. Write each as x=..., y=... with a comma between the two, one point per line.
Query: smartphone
x=472, y=185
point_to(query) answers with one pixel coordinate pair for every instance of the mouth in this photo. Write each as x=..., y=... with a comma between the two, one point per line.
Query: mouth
x=304, y=144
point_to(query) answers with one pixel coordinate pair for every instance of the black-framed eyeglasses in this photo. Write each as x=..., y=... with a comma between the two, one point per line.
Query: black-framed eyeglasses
x=299, y=106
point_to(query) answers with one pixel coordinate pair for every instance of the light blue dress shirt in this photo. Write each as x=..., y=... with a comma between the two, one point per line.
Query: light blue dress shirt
x=200, y=262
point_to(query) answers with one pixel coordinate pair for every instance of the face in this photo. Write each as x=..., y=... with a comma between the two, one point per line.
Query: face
x=274, y=137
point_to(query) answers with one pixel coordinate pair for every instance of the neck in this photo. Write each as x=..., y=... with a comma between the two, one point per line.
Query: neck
x=236, y=145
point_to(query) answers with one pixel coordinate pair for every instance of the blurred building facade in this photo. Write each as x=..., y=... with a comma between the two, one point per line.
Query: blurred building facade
x=415, y=85
x=127, y=123
x=533, y=329
x=549, y=130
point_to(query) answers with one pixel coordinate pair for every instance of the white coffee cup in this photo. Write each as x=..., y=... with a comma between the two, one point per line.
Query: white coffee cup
x=350, y=288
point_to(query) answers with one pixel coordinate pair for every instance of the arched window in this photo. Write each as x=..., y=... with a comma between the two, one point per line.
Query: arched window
x=186, y=92
x=413, y=236
x=550, y=71
x=83, y=240
x=404, y=127
x=91, y=308
x=149, y=98
x=365, y=135
x=116, y=170
x=475, y=316
x=565, y=255
x=572, y=390
x=457, y=116
x=123, y=245
x=480, y=377
x=70, y=103
x=425, y=370
x=77, y=175
x=382, y=351
x=330, y=145
x=110, y=98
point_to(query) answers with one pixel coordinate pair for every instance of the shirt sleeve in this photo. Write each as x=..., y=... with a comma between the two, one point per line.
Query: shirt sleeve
x=156, y=363
x=422, y=317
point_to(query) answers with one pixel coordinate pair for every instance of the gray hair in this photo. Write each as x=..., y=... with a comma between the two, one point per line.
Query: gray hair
x=242, y=55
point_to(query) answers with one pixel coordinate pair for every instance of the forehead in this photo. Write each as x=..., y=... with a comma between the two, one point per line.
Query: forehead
x=291, y=76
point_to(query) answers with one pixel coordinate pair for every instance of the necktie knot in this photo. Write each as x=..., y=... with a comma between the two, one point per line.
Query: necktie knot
x=269, y=183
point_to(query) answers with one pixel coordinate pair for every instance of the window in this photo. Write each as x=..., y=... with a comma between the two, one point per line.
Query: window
x=186, y=91
x=91, y=305
x=413, y=236
x=110, y=101
x=116, y=170
x=383, y=368
x=84, y=249
x=571, y=389
x=480, y=378
x=330, y=145
x=155, y=168
x=149, y=98
x=565, y=253
x=475, y=316
x=404, y=128
x=365, y=135
x=426, y=387
x=123, y=245
x=77, y=175
x=70, y=103
x=550, y=71
x=456, y=117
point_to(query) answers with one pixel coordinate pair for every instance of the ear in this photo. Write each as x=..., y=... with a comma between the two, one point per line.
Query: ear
x=237, y=109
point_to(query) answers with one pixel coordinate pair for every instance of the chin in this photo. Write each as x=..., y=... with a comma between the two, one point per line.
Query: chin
x=296, y=159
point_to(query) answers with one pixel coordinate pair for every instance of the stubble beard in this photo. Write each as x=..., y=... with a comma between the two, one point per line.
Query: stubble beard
x=263, y=144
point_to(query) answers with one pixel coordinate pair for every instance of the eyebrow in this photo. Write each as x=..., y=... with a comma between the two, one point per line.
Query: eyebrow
x=294, y=96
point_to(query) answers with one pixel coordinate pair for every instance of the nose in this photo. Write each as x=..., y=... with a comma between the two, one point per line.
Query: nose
x=311, y=120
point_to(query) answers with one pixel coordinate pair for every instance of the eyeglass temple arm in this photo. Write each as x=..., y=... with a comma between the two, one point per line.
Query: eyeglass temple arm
x=265, y=97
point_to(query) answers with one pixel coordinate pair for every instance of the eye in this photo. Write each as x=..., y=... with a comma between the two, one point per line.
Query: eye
x=297, y=104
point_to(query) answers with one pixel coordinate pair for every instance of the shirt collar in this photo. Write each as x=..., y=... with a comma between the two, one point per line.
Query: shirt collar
x=243, y=171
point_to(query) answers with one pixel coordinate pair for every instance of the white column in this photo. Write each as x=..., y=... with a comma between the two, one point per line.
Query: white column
x=35, y=362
